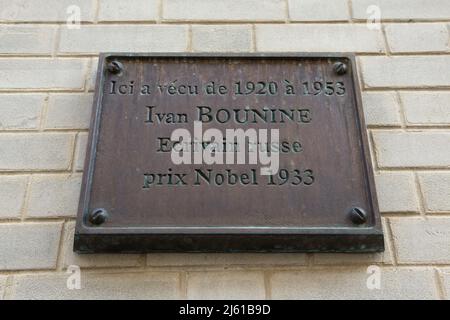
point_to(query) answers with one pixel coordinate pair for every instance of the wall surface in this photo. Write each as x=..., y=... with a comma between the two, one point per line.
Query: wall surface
x=47, y=73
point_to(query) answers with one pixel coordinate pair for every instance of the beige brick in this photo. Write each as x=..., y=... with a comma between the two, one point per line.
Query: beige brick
x=54, y=195
x=318, y=37
x=403, y=9
x=225, y=285
x=31, y=73
x=221, y=38
x=20, y=111
x=69, y=111
x=224, y=259
x=80, y=151
x=48, y=10
x=12, y=194
x=2, y=286
x=406, y=71
x=436, y=190
x=161, y=286
x=445, y=275
x=351, y=283
x=231, y=10
x=417, y=37
x=131, y=10
x=27, y=39
x=428, y=108
x=397, y=192
x=35, y=151
x=95, y=260
x=421, y=241
x=29, y=246
x=92, y=75
x=381, y=109
x=310, y=10
x=412, y=149
x=124, y=38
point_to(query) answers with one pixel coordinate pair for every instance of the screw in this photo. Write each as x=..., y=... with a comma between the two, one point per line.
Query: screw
x=98, y=216
x=358, y=216
x=115, y=67
x=340, y=68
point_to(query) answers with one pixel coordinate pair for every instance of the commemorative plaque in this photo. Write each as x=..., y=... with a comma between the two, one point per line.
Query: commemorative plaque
x=227, y=153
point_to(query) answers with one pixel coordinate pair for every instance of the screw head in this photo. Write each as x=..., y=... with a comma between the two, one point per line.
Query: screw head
x=115, y=67
x=358, y=215
x=340, y=68
x=98, y=216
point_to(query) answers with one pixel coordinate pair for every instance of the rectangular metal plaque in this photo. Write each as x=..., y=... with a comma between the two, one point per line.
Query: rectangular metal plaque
x=163, y=171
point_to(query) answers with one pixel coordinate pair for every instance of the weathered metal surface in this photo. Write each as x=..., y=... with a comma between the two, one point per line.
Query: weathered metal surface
x=322, y=198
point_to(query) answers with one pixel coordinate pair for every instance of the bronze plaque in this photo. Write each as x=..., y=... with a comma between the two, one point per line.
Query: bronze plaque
x=166, y=169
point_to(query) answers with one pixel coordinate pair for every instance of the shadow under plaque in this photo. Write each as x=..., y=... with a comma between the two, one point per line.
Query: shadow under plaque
x=136, y=198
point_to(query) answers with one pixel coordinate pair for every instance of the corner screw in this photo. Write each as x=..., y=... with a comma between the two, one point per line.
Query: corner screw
x=358, y=216
x=115, y=67
x=98, y=216
x=340, y=68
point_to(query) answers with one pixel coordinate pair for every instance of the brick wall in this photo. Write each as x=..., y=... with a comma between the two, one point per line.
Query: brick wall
x=47, y=72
